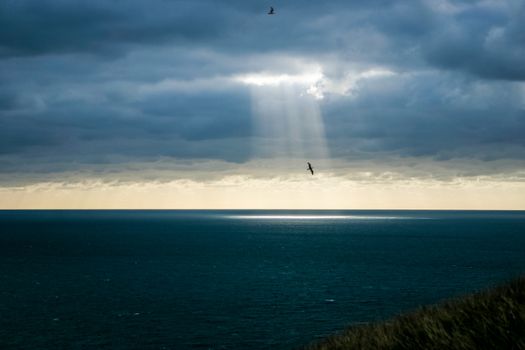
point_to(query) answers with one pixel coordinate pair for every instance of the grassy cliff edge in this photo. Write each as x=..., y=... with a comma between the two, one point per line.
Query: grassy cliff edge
x=492, y=319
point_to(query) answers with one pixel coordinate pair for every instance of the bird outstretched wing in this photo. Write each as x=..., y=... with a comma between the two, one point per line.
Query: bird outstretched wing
x=310, y=168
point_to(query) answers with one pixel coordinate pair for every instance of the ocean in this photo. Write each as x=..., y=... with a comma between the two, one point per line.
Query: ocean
x=236, y=279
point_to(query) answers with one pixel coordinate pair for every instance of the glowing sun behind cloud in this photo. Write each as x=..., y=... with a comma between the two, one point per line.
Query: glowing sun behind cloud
x=270, y=79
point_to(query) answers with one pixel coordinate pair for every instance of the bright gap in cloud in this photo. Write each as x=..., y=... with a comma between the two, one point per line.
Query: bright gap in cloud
x=268, y=79
x=313, y=82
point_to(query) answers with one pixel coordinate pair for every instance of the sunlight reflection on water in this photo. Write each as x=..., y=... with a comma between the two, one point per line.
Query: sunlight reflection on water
x=315, y=217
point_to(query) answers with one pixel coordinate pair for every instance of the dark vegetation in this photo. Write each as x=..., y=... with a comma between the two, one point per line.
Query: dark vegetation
x=493, y=319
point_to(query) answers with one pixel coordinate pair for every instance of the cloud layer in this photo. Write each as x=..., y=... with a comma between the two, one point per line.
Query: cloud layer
x=88, y=86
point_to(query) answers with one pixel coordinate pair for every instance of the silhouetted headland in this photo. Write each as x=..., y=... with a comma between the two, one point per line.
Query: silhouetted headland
x=493, y=319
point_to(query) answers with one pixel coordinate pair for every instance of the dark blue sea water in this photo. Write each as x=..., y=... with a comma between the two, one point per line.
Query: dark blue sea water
x=236, y=279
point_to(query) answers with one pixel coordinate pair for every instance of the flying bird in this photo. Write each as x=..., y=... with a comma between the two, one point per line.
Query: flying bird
x=271, y=12
x=310, y=168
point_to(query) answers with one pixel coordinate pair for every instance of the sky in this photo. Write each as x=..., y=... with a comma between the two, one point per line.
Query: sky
x=413, y=104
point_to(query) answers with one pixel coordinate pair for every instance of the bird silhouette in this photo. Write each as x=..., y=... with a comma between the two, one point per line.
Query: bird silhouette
x=271, y=12
x=310, y=168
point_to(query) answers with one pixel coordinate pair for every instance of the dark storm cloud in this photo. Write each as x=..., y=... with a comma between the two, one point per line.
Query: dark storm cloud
x=484, y=42
x=119, y=81
x=42, y=27
x=39, y=27
x=155, y=127
x=487, y=40
x=7, y=101
x=199, y=117
x=420, y=116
